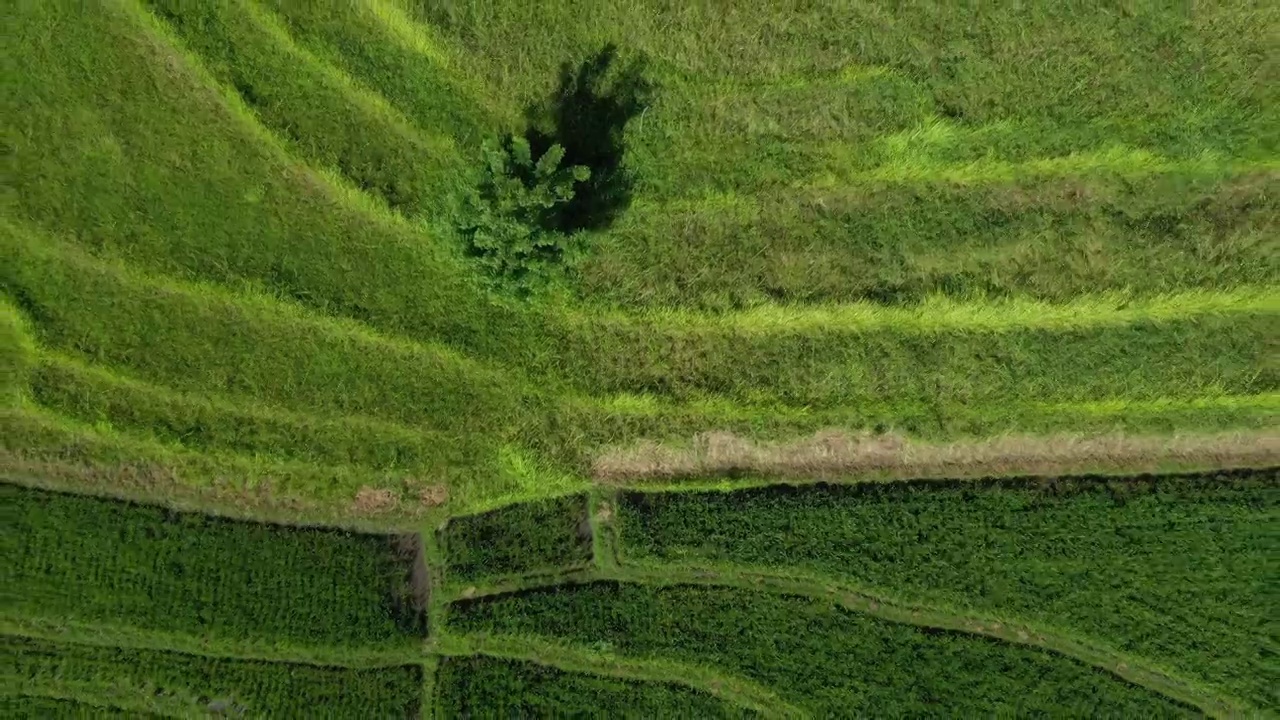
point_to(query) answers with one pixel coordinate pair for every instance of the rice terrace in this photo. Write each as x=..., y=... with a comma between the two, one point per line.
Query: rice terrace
x=640, y=358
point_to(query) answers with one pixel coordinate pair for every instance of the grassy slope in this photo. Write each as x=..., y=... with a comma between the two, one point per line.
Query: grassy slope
x=818, y=368
x=288, y=235
x=1007, y=151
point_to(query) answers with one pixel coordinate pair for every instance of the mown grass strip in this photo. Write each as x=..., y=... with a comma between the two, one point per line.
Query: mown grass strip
x=94, y=560
x=736, y=690
x=815, y=654
x=942, y=315
x=482, y=686
x=725, y=460
x=925, y=374
x=1168, y=569
x=205, y=684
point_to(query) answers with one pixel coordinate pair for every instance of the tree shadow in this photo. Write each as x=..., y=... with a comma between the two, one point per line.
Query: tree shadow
x=587, y=115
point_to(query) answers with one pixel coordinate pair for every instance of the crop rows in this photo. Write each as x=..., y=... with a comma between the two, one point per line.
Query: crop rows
x=92, y=561
x=540, y=537
x=480, y=686
x=171, y=683
x=820, y=657
x=1169, y=568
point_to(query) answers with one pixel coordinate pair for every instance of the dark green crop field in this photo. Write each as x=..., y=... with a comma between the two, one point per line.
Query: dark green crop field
x=492, y=358
x=824, y=660
x=169, y=681
x=1169, y=567
x=92, y=561
x=490, y=687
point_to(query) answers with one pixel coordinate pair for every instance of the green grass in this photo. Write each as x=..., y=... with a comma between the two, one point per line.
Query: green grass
x=34, y=707
x=231, y=281
x=807, y=154
x=543, y=537
x=412, y=67
x=175, y=175
x=46, y=449
x=1170, y=569
x=322, y=115
x=898, y=242
x=175, y=683
x=85, y=560
x=92, y=395
x=822, y=658
x=484, y=687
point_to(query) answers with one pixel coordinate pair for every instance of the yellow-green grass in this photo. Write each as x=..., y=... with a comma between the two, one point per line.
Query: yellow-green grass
x=899, y=241
x=318, y=111
x=96, y=396
x=248, y=343
x=413, y=68
x=141, y=154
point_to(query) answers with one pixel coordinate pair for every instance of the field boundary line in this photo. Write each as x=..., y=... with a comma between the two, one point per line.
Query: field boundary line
x=1134, y=670
x=735, y=690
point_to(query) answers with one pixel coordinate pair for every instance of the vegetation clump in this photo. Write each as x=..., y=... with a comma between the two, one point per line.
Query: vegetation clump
x=564, y=175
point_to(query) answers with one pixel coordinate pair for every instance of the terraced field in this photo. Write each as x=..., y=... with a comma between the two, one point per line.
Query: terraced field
x=487, y=358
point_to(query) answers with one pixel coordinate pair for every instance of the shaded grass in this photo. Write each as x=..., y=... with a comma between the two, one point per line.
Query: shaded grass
x=318, y=112
x=83, y=559
x=544, y=537
x=1172, y=569
x=194, y=684
x=822, y=658
x=490, y=687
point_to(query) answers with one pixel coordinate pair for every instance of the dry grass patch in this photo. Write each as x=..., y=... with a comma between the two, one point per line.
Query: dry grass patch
x=834, y=453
